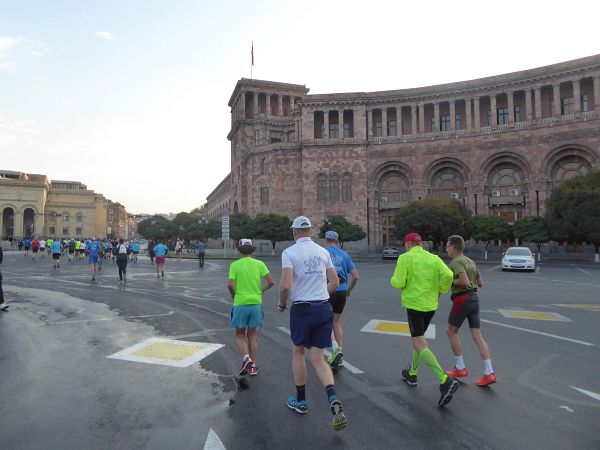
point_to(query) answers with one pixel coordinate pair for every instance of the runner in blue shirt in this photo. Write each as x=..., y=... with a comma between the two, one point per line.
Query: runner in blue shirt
x=343, y=266
x=161, y=251
x=26, y=244
x=56, y=252
x=93, y=250
x=135, y=249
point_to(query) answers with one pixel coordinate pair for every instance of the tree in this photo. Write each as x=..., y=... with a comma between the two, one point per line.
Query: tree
x=272, y=227
x=489, y=228
x=434, y=219
x=240, y=226
x=532, y=229
x=203, y=231
x=348, y=232
x=573, y=211
x=148, y=226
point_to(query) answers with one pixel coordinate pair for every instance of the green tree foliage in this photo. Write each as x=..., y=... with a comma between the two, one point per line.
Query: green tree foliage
x=490, y=228
x=434, y=219
x=532, y=229
x=203, y=231
x=149, y=227
x=240, y=226
x=272, y=227
x=347, y=231
x=573, y=211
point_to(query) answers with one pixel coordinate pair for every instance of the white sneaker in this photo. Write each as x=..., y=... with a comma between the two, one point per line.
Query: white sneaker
x=4, y=306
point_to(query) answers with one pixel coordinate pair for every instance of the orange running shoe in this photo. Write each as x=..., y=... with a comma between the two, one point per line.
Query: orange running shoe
x=486, y=380
x=458, y=373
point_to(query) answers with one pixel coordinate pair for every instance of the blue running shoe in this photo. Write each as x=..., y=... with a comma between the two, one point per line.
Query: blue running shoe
x=301, y=407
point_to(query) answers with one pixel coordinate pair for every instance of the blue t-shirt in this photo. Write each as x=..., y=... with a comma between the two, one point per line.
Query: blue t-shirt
x=56, y=247
x=27, y=243
x=161, y=250
x=93, y=248
x=343, y=266
x=135, y=247
x=201, y=248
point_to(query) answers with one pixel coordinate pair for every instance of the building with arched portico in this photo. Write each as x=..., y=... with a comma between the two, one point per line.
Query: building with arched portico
x=498, y=144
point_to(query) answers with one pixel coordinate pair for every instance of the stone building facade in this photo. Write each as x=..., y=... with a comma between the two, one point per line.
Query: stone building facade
x=33, y=205
x=498, y=144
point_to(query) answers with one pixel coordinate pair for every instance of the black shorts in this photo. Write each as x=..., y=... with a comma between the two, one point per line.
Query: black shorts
x=465, y=306
x=55, y=255
x=418, y=321
x=338, y=301
x=35, y=250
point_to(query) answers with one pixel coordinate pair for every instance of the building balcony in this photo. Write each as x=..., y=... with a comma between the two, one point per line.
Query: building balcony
x=385, y=204
x=506, y=199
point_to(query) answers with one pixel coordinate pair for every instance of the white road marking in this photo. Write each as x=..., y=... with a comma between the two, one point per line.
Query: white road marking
x=109, y=318
x=566, y=408
x=589, y=393
x=213, y=442
x=347, y=365
x=584, y=271
x=538, y=332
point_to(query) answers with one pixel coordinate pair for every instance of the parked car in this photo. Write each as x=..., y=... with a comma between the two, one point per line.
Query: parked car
x=391, y=252
x=518, y=258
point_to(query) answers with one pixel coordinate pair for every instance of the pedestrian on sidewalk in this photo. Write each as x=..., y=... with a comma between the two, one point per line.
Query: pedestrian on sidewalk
x=308, y=278
x=422, y=277
x=121, y=252
x=467, y=280
x=3, y=305
x=344, y=266
x=246, y=289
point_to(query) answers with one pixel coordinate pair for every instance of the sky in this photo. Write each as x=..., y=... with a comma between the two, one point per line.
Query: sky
x=130, y=96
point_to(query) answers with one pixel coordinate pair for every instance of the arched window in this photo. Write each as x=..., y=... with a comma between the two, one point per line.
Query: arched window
x=447, y=182
x=334, y=187
x=569, y=167
x=264, y=167
x=346, y=187
x=79, y=217
x=322, y=187
x=507, y=179
x=393, y=187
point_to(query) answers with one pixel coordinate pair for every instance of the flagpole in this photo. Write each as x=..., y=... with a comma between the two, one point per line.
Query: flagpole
x=252, y=60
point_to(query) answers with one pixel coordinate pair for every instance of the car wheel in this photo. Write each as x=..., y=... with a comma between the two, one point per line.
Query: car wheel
x=504, y=270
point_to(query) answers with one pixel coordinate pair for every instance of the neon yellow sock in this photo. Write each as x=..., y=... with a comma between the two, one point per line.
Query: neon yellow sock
x=416, y=361
x=431, y=361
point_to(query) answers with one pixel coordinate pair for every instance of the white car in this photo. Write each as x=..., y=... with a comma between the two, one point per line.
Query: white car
x=518, y=258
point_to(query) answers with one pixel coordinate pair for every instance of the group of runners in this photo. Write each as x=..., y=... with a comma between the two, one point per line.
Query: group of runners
x=318, y=281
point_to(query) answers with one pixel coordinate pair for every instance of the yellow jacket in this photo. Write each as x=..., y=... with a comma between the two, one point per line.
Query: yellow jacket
x=422, y=277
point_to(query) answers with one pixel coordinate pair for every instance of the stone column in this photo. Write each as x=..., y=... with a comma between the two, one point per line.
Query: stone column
x=292, y=104
x=18, y=225
x=243, y=104
x=413, y=119
x=38, y=224
x=477, y=114
x=511, y=107
x=452, y=115
x=597, y=94
x=268, y=104
x=422, y=118
x=556, y=96
x=369, y=124
x=341, y=124
x=469, y=124
x=326, y=124
x=384, y=122
x=538, y=103
x=577, y=96
x=528, y=111
x=255, y=103
x=436, y=116
x=494, y=111
x=280, y=105
x=399, y=130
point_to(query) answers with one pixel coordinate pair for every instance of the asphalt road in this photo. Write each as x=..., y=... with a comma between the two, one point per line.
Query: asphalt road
x=59, y=389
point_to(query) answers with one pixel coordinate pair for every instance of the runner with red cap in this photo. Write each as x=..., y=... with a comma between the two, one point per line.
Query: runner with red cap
x=422, y=277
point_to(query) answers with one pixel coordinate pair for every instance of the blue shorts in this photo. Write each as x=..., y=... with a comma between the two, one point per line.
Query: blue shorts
x=246, y=316
x=311, y=324
x=92, y=259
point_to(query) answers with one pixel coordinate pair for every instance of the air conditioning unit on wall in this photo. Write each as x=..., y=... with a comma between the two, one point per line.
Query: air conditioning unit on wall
x=454, y=195
x=495, y=193
x=514, y=192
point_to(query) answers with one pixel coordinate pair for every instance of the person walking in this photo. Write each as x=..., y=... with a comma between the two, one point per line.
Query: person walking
x=151, y=251
x=56, y=252
x=178, y=249
x=35, y=247
x=26, y=246
x=93, y=250
x=246, y=289
x=3, y=305
x=71, y=250
x=422, y=277
x=161, y=251
x=201, y=252
x=465, y=299
x=308, y=278
x=121, y=253
x=343, y=266
x=49, y=242
x=43, y=248
x=135, y=250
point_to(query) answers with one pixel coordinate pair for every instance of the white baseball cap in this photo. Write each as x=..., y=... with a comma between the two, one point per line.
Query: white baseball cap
x=243, y=242
x=301, y=222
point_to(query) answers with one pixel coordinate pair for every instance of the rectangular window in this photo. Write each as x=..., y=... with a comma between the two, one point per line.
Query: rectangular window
x=79, y=217
x=346, y=188
x=78, y=231
x=334, y=189
x=566, y=106
x=65, y=231
x=502, y=116
x=347, y=131
x=333, y=130
x=391, y=128
x=584, y=103
x=52, y=230
x=458, y=123
x=444, y=123
x=264, y=196
x=432, y=126
x=378, y=130
x=65, y=217
x=517, y=113
x=274, y=140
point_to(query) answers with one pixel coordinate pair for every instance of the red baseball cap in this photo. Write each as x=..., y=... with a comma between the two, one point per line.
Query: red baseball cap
x=413, y=237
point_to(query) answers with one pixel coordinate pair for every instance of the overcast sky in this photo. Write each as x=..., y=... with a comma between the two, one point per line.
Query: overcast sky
x=130, y=97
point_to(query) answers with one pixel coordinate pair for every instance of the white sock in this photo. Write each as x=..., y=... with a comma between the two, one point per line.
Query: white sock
x=459, y=362
x=487, y=366
x=334, y=345
x=245, y=356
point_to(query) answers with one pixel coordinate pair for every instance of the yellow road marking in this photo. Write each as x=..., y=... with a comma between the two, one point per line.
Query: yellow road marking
x=393, y=327
x=595, y=307
x=163, y=350
x=535, y=315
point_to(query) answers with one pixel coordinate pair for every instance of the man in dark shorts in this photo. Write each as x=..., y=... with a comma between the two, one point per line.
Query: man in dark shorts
x=467, y=280
x=35, y=247
x=343, y=266
x=201, y=251
x=308, y=278
x=56, y=252
x=422, y=277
